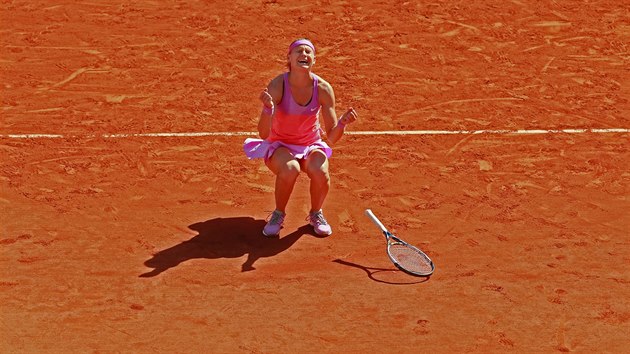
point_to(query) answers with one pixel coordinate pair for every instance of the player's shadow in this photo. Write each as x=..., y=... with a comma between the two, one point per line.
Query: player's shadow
x=391, y=276
x=225, y=238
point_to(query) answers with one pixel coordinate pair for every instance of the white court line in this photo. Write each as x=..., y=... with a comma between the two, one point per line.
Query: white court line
x=383, y=132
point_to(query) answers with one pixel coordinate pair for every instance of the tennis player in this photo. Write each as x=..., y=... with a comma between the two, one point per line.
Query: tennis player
x=292, y=137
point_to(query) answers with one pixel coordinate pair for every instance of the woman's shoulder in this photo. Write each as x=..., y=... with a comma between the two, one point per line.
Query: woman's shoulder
x=275, y=88
x=323, y=85
x=321, y=82
x=278, y=80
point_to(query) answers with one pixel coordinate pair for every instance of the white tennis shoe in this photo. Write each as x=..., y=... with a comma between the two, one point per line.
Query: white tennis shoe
x=319, y=223
x=275, y=222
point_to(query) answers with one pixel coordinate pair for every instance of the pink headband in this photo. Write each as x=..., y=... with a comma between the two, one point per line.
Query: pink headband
x=300, y=42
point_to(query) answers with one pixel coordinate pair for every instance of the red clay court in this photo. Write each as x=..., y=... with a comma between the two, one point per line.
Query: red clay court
x=493, y=135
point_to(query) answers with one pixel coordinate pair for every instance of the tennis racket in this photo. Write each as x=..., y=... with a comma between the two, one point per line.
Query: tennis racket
x=405, y=256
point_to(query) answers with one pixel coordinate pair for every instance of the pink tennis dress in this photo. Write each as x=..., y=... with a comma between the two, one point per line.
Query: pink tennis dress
x=293, y=126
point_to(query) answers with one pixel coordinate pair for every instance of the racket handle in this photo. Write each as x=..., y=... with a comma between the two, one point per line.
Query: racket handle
x=375, y=220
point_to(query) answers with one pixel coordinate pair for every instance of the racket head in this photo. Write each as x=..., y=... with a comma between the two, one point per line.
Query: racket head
x=408, y=258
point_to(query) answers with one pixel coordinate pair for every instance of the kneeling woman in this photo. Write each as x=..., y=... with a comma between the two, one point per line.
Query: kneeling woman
x=289, y=125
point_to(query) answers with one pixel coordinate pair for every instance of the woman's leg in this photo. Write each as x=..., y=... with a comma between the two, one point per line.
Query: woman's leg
x=316, y=167
x=286, y=168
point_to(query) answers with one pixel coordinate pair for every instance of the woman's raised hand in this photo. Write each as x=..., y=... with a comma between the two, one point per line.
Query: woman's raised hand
x=266, y=99
x=349, y=117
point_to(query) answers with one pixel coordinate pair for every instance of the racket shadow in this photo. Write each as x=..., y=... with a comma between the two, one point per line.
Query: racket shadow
x=372, y=273
x=224, y=238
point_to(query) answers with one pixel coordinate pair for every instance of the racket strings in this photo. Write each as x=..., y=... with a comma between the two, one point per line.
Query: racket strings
x=410, y=258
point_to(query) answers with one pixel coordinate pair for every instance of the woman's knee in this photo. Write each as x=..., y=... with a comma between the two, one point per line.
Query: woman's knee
x=317, y=168
x=289, y=170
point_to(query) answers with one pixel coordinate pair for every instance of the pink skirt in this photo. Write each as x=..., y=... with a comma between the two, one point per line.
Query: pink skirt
x=258, y=148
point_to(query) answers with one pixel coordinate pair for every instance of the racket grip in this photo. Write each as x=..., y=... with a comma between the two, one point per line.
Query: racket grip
x=375, y=220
